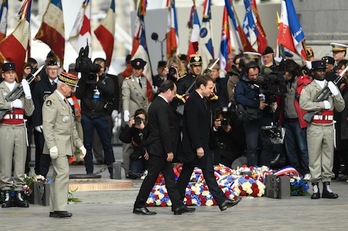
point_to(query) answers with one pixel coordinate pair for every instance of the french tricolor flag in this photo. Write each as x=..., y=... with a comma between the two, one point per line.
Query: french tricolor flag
x=51, y=31
x=106, y=31
x=14, y=47
x=81, y=31
x=290, y=33
x=195, y=28
x=172, y=35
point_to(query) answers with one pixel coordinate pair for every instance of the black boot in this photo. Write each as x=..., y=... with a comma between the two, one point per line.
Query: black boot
x=327, y=192
x=316, y=193
x=19, y=201
x=7, y=201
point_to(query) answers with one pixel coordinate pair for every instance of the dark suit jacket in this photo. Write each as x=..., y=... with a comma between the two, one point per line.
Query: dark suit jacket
x=197, y=131
x=162, y=128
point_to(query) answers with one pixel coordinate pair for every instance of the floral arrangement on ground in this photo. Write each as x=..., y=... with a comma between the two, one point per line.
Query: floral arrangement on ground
x=243, y=181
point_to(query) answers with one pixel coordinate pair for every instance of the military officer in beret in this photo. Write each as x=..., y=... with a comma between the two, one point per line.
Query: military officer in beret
x=61, y=136
x=136, y=93
x=320, y=131
x=46, y=86
x=339, y=51
x=13, y=135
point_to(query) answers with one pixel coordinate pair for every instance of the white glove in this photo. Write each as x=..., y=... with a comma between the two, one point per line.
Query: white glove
x=54, y=152
x=126, y=116
x=39, y=128
x=333, y=88
x=327, y=104
x=114, y=114
x=26, y=89
x=154, y=89
x=83, y=151
x=17, y=104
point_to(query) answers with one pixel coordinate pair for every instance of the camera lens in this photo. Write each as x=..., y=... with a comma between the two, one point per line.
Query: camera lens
x=137, y=120
x=172, y=71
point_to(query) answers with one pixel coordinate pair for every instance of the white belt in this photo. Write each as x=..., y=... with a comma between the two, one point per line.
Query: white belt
x=323, y=117
x=13, y=116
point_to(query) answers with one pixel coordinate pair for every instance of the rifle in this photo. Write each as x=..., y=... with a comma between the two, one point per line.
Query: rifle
x=322, y=95
x=17, y=92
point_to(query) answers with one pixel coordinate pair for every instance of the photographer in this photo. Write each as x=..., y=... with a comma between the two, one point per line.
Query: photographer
x=134, y=132
x=96, y=91
x=230, y=136
x=247, y=94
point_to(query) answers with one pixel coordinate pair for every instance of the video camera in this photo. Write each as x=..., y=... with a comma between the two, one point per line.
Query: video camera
x=271, y=85
x=85, y=66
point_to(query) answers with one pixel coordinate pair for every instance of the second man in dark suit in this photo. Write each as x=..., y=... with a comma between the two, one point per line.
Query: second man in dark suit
x=160, y=147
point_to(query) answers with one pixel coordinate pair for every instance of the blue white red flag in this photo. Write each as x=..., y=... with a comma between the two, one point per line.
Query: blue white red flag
x=3, y=19
x=105, y=32
x=139, y=48
x=14, y=47
x=239, y=41
x=195, y=26
x=290, y=33
x=81, y=32
x=205, y=35
x=172, y=35
x=225, y=45
x=51, y=31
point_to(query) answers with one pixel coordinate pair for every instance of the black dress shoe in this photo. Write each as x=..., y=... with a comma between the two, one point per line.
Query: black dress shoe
x=329, y=195
x=315, y=195
x=143, y=211
x=229, y=203
x=183, y=209
x=60, y=214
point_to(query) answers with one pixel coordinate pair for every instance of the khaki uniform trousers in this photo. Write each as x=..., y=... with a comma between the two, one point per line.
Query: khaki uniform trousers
x=320, y=140
x=60, y=184
x=13, y=153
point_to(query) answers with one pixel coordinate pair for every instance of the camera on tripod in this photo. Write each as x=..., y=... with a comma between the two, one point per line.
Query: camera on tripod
x=85, y=66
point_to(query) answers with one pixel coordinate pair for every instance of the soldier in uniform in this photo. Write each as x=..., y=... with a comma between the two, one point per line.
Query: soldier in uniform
x=195, y=70
x=61, y=136
x=339, y=51
x=46, y=86
x=136, y=93
x=13, y=135
x=320, y=132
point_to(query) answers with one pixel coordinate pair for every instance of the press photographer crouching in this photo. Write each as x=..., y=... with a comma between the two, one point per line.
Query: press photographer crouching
x=135, y=132
x=95, y=89
x=230, y=136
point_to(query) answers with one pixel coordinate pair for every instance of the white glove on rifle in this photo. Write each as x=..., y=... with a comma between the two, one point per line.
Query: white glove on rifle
x=114, y=114
x=126, y=116
x=26, y=89
x=39, y=128
x=17, y=104
x=83, y=151
x=54, y=152
x=327, y=104
x=333, y=88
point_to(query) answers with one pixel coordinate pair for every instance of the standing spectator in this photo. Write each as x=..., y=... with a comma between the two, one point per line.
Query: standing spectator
x=268, y=61
x=161, y=76
x=160, y=147
x=60, y=134
x=13, y=135
x=198, y=142
x=96, y=92
x=42, y=89
x=233, y=76
x=295, y=139
x=136, y=93
x=247, y=94
x=320, y=132
x=339, y=51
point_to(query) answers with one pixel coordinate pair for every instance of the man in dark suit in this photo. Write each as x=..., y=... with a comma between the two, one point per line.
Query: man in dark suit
x=160, y=146
x=198, y=141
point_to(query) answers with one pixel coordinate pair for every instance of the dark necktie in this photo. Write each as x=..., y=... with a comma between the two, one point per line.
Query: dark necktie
x=139, y=80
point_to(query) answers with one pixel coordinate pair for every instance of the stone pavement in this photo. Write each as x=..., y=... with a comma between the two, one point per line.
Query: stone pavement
x=112, y=210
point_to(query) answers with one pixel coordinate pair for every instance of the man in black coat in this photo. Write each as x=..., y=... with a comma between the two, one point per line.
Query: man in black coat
x=160, y=146
x=198, y=141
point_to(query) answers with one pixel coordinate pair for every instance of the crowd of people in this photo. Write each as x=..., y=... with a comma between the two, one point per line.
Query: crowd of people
x=262, y=111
